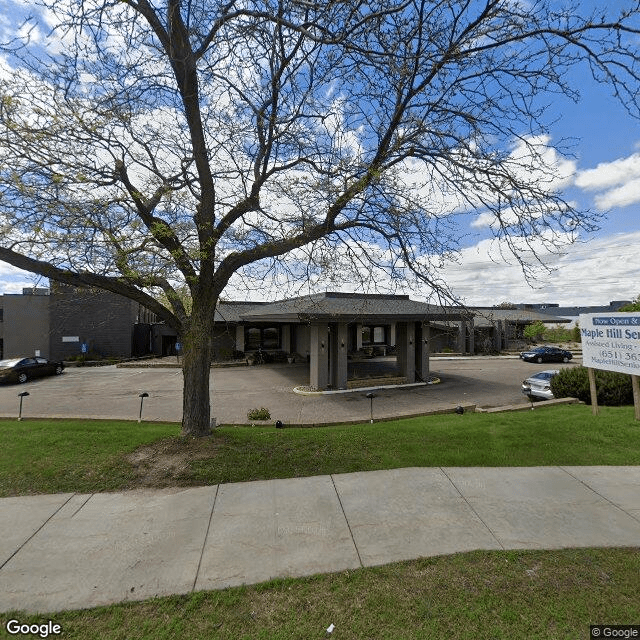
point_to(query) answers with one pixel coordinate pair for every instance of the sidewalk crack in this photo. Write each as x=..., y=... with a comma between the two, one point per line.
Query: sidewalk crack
x=2, y=566
x=206, y=537
x=355, y=546
x=487, y=527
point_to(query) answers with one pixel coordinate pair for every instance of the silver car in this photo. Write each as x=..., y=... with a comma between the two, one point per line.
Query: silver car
x=538, y=386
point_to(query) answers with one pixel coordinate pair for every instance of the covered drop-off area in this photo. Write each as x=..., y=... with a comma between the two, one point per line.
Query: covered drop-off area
x=332, y=330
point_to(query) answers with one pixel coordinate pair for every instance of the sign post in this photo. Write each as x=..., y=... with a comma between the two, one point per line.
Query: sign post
x=611, y=342
x=635, y=383
x=593, y=390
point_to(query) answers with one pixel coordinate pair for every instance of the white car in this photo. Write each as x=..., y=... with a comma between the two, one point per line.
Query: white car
x=539, y=384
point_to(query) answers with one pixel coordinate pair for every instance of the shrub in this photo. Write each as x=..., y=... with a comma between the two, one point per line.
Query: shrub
x=259, y=414
x=614, y=389
x=575, y=333
x=558, y=334
x=534, y=331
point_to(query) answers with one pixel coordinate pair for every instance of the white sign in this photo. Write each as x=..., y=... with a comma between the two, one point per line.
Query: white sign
x=611, y=341
x=70, y=338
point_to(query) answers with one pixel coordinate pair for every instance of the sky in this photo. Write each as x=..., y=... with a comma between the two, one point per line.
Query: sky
x=602, y=175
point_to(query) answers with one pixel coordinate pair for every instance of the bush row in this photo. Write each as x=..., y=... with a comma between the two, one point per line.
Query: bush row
x=614, y=389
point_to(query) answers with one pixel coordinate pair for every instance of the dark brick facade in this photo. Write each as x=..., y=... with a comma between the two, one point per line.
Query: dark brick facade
x=102, y=320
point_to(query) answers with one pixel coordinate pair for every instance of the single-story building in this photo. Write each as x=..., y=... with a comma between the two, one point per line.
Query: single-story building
x=325, y=329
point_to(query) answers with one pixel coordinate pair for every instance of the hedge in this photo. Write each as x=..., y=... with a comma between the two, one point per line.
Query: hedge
x=614, y=389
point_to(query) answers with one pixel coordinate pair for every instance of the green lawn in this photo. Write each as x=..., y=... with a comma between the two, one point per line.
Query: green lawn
x=52, y=456
x=485, y=595
x=86, y=456
x=514, y=595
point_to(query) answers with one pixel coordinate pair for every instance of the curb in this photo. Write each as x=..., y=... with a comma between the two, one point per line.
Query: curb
x=301, y=391
x=531, y=406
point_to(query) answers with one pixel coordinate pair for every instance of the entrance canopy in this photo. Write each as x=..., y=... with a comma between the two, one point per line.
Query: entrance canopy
x=326, y=326
x=341, y=307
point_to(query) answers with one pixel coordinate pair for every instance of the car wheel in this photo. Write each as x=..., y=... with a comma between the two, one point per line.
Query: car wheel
x=539, y=360
x=22, y=378
x=565, y=359
x=58, y=370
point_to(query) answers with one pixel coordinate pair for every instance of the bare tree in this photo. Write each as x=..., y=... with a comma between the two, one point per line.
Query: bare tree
x=152, y=145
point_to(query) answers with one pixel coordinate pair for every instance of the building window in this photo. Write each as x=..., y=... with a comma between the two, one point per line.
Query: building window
x=271, y=338
x=252, y=338
x=374, y=335
x=267, y=338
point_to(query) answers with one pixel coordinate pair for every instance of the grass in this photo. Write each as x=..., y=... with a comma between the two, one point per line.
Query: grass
x=59, y=456
x=481, y=595
x=53, y=456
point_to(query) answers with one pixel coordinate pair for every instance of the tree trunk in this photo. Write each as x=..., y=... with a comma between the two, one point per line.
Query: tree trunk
x=196, y=404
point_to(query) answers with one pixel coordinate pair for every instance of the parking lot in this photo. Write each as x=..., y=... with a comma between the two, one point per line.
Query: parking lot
x=110, y=392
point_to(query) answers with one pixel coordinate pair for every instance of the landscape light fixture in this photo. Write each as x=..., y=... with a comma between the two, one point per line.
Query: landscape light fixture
x=371, y=396
x=21, y=395
x=279, y=424
x=142, y=396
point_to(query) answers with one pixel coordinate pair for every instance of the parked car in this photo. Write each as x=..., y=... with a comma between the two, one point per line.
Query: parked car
x=539, y=384
x=23, y=369
x=546, y=354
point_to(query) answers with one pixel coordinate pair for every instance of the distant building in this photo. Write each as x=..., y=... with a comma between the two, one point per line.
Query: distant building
x=571, y=314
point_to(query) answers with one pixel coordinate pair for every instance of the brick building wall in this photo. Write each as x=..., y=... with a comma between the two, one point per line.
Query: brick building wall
x=24, y=325
x=100, y=319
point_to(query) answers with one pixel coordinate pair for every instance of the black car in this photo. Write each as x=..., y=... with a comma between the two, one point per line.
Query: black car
x=546, y=354
x=22, y=369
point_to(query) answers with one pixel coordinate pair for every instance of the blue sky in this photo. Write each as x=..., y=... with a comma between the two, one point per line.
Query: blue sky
x=601, y=267
x=605, y=177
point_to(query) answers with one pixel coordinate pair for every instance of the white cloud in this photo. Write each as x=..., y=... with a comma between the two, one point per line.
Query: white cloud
x=534, y=162
x=12, y=280
x=594, y=272
x=617, y=182
x=623, y=196
x=538, y=161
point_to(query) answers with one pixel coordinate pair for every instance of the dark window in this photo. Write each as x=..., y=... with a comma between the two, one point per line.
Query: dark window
x=271, y=338
x=267, y=338
x=252, y=338
x=374, y=335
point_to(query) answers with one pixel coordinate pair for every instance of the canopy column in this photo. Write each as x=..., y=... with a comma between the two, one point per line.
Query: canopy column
x=339, y=341
x=319, y=355
x=423, y=336
x=405, y=348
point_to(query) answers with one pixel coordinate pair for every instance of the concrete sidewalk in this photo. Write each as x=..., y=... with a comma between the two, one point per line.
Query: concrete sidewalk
x=71, y=551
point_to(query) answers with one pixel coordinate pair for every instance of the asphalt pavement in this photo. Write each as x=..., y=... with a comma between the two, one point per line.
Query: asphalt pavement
x=110, y=392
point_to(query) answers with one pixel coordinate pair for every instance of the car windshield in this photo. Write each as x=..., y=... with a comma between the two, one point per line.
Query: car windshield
x=544, y=375
x=9, y=363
